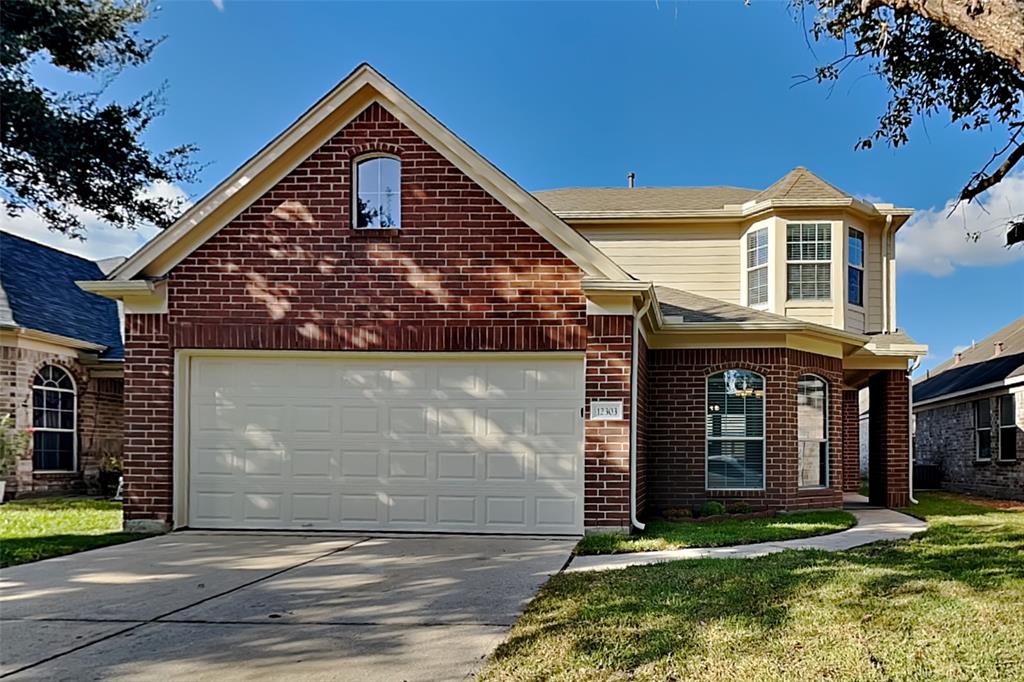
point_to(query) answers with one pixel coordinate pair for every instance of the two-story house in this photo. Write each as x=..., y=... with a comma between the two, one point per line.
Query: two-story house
x=369, y=326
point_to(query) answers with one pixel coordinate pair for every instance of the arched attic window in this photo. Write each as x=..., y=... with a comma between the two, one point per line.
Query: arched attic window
x=377, y=192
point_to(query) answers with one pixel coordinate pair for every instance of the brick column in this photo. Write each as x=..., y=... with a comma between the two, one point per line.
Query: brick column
x=889, y=439
x=148, y=423
x=851, y=441
x=606, y=486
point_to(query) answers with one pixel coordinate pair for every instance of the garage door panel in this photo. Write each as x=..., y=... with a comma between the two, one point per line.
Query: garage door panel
x=405, y=444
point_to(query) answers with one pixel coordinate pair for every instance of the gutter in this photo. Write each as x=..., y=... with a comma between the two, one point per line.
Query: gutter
x=637, y=318
x=885, y=273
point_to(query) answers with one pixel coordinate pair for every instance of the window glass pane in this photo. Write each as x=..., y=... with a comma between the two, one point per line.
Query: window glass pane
x=984, y=445
x=735, y=430
x=855, y=294
x=982, y=414
x=810, y=408
x=52, y=450
x=813, y=464
x=757, y=286
x=856, y=247
x=1006, y=416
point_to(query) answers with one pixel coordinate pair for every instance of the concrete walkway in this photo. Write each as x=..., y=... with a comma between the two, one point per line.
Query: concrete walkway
x=873, y=525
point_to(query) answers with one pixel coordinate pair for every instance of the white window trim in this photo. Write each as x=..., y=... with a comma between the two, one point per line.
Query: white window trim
x=354, y=208
x=825, y=440
x=74, y=420
x=831, y=284
x=748, y=269
x=862, y=268
x=1011, y=427
x=762, y=438
x=978, y=430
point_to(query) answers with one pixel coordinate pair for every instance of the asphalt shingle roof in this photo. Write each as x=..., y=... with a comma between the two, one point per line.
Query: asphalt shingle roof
x=38, y=284
x=799, y=184
x=695, y=308
x=978, y=365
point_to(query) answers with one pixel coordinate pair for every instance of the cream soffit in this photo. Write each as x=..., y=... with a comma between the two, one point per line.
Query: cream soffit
x=347, y=100
x=47, y=337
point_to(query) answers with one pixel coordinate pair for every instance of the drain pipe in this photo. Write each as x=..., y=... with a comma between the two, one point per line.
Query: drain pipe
x=633, y=520
x=910, y=425
x=885, y=274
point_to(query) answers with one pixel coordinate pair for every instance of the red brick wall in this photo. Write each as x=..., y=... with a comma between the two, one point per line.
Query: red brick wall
x=148, y=420
x=462, y=274
x=676, y=426
x=851, y=441
x=609, y=365
x=889, y=439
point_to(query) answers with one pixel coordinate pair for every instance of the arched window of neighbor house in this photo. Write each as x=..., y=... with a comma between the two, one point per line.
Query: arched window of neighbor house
x=378, y=193
x=812, y=431
x=54, y=420
x=734, y=431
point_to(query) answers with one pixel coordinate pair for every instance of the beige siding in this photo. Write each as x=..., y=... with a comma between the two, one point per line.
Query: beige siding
x=703, y=259
x=816, y=314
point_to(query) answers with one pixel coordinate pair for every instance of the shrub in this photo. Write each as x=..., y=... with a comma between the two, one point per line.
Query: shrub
x=677, y=514
x=738, y=508
x=712, y=508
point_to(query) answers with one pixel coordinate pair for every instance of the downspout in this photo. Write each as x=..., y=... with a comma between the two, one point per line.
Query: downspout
x=885, y=274
x=910, y=424
x=633, y=520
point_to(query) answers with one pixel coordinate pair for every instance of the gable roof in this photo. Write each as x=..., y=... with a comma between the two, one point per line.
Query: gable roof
x=798, y=188
x=978, y=366
x=322, y=121
x=38, y=292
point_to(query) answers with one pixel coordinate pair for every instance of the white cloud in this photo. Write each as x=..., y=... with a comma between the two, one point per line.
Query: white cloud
x=219, y=4
x=936, y=242
x=101, y=240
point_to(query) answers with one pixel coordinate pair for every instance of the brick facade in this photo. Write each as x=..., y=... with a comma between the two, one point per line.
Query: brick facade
x=889, y=439
x=676, y=426
x=606, y=451
x=99, y=427
x=944, y=435
x=851, y=441
x=289, y=272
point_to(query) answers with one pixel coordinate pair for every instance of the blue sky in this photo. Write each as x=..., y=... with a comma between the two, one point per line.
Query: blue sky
x=577, y=94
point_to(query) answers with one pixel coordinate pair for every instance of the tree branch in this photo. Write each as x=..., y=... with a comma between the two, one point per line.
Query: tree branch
x=998, y=25
x=981, y=182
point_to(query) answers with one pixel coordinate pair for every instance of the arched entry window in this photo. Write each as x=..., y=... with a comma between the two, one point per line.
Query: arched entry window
x=54, y=417
x=812, y=430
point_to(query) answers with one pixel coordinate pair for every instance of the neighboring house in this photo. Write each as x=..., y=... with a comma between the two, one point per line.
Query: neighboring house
x=369, y=326
x=969, y=414
x=61, y=365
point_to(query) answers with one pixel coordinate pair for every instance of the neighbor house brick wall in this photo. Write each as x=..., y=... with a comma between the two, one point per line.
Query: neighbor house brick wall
x=290, y=272
x=851, y=441
x=99, y=417
x=944, y=436
x=606, y=451
x=676, y=426
x=889, y=439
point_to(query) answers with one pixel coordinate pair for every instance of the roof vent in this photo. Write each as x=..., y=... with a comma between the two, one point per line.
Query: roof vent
x=957, y=358
x=631, y=179
x=998, y=348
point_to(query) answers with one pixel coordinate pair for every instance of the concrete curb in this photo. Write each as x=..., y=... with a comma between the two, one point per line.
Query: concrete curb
x=873, y=525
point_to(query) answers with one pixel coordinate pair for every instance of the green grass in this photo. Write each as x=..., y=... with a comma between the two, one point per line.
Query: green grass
x=661, y=535
x=41, y=528
x=946, y=605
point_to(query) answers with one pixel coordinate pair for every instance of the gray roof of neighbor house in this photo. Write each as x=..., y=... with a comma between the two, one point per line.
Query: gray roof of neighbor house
x=799, y=184
x=38, y=291
x=994, y=359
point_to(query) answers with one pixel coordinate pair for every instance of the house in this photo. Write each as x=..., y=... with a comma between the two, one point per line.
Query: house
x=61, y=365
x=369, y=326
x=969, y=416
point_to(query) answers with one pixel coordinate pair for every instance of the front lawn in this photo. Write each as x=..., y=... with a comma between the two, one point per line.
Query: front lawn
x=41, y=528
x=661, y=534
x=946, y=605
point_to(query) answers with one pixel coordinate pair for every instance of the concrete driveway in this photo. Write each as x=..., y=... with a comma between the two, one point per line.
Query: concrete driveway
x=225, y=606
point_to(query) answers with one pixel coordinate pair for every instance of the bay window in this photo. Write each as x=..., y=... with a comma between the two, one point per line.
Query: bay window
x=757, y=267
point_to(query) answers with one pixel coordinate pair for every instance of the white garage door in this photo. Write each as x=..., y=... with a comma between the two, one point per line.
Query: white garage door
x=428, y=444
